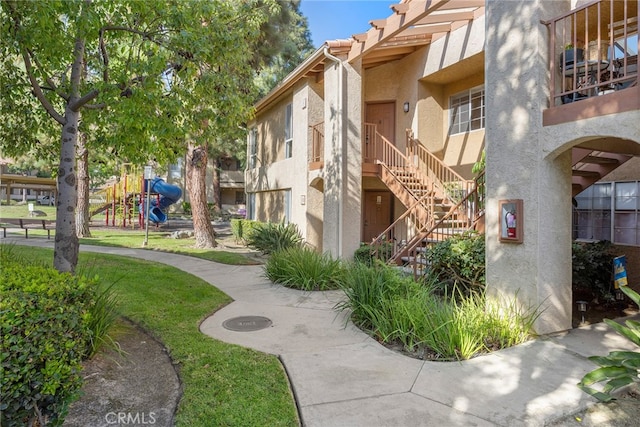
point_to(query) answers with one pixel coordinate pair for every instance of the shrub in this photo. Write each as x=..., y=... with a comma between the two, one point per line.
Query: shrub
x=459, y=262
x=303, y=268
x=236, y=228
x=269, y=237
x=367, y=253
x=186, y=208
x=592, y=269
x=46, y=319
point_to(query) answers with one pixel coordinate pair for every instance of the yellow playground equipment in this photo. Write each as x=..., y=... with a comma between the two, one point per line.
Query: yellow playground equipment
x=119, y=201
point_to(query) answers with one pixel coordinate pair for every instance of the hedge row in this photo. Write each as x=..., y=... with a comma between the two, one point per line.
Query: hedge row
x=45, y=321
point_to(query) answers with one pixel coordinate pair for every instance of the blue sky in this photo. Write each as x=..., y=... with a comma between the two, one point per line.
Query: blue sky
x=340, y=19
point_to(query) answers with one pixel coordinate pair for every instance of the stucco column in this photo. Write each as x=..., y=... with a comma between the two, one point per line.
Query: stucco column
x=342, y=156
x=537, y=271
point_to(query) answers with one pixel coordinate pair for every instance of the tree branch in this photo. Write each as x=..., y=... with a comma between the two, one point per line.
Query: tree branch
x=105, y=57
x=38, y=91
x=50, y=82
x=80, y=102
x=95, y=106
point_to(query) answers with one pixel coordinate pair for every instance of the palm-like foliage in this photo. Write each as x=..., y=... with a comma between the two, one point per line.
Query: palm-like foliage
x=619, y=368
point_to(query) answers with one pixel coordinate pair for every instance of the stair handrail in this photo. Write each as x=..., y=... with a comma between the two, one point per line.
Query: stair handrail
x=390, y=156
x=440, y=170
x=382, y=237
x=473, y=217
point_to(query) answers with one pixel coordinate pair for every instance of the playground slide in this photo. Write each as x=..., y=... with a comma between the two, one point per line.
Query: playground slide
x=169, y=194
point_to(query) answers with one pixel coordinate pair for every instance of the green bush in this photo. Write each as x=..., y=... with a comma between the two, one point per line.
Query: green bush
x=186, y=208
x=46, y=319
x=367, y=253
x=236, y=229
x=459, y=262
x=303, y=268
x=269, y=237
x=592, y=269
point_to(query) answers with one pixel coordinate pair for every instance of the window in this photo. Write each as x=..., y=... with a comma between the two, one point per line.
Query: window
x=251, y=211
x=288, y=132
x=466, y=111
x=609, y=211
x=253, y=147
x=287, y=206
x=240, y=198
x=175, y=170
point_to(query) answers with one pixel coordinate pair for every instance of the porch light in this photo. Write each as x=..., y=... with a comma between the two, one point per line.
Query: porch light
x=405, y=107
x=582, y=308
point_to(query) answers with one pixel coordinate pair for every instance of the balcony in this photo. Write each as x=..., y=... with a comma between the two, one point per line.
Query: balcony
x=594, y=61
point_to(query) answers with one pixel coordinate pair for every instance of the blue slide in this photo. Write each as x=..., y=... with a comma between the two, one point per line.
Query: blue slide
x=169, y=194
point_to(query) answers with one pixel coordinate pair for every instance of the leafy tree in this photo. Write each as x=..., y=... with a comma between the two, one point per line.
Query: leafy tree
x=284, y=42
x=144, y=78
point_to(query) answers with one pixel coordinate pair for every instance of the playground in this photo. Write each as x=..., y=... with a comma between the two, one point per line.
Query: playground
x=124, y=203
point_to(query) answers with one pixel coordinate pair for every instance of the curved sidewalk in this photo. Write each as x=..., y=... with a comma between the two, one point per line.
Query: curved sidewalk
x=342, y=377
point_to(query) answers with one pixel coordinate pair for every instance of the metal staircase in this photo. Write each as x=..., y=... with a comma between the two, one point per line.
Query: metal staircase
x=440, y=203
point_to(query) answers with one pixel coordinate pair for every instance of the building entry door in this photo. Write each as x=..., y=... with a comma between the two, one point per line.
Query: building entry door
x=377, y=214
x=383, y=115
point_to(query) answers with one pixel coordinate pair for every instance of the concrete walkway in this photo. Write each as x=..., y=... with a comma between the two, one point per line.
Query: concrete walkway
x=342, y=377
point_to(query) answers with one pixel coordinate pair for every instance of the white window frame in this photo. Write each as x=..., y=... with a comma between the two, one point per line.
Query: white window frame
x=601, y=209
x=467, y=111
x=253, y=148
x=288, y=131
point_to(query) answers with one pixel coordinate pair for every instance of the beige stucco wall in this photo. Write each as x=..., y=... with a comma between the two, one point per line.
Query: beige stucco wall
x=274, y=173
x=426, y=79
x=270, y=144
x=538, y=271
x=314, y=213
x=530, y=162
x=342, y=172
x=270, y=206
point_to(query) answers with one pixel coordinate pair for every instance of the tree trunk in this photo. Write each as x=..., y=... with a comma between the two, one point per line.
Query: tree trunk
x=217, y=196
x=196, y=186
x=82, y=210
x=65, y=255
x=66, y=246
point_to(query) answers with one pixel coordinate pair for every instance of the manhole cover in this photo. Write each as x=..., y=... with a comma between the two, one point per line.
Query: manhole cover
x=247, y=323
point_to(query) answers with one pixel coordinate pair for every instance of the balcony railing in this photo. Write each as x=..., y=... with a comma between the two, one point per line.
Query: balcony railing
x=594, y=50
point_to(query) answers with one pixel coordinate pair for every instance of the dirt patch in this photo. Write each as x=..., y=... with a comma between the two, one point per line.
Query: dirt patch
x=136, y=385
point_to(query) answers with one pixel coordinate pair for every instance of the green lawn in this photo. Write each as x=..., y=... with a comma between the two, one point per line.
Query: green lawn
x=22, y=211
x=223, y=384
x=134, y=238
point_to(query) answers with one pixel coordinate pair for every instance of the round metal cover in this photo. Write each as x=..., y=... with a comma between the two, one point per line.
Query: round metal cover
x=247, y=323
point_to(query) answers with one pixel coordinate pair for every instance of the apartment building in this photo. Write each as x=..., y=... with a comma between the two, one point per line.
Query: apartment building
x=374, y=138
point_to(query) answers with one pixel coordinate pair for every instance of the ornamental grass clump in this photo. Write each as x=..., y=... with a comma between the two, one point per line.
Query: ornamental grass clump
x=395, y=309
x=305, y=269
x=270, y=237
